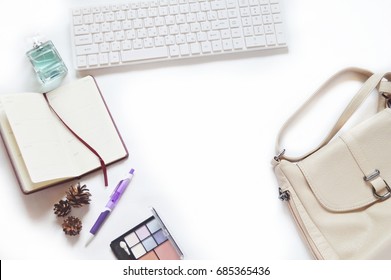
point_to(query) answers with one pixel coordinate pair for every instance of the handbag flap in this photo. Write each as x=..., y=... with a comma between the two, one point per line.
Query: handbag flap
x=335, y=172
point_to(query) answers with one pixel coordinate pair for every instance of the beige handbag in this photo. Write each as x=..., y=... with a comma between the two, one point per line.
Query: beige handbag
x=338, y=193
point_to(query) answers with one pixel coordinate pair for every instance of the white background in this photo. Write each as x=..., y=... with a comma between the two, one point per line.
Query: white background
x=200, y=133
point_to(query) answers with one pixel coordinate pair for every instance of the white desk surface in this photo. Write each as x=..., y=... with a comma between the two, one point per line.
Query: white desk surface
x=200, y=133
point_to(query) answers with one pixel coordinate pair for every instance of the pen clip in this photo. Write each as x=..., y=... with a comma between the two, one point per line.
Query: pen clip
x=117, y=187
x=115, y=196
x=117, y=193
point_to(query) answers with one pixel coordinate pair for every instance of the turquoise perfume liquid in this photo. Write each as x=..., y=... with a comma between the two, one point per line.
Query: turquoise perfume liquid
x=47, y=62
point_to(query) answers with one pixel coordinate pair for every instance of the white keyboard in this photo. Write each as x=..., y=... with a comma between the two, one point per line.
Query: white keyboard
x=137, y=32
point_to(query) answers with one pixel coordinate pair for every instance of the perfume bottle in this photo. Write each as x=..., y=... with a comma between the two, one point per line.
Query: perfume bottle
x=47, y=62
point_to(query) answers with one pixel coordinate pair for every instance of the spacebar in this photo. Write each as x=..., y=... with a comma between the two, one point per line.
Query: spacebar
x=144, y=54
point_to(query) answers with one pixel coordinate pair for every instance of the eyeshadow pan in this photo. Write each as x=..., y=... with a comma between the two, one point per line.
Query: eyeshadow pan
x=150, y=256
x=149, y=243
x=138, y=250
x=153, y=226
x=131, y=239
x=142, y=232
x=166, y=251
x=160, y=237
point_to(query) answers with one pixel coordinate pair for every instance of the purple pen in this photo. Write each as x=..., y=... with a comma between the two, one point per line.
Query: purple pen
x=114, y=198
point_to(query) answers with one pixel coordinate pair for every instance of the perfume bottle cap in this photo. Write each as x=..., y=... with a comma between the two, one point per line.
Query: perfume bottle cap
x=35, y=40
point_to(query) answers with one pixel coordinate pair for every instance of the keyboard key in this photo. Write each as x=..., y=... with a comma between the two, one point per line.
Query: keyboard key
x=238, y=43
x=148, y=43
x=265, y=9
x=250, y=42
x=152, y=53
x=126, y=45
x=195, y=48
x=103, y=59
x=184, y=49
x=280, y=34
x=277, y=18
x=213, y=35
x=159, y=41
x=225, y=33
x=104, y=47
x=271, y=40
x=275, y=8
x=206, y=47
x=269, y=29
x=114, y=57
x=227, y=44
x=115, y=46
x=217, y=5
x=220, y=24
x=217, y=46
x=81, y=30
x=243, y=3
x=87, y=49
x=232, y=4
x=258, y=30
x=92, y=60
x=256, y=41
x=236, y=32
x=76, y=12
x=81, y=61
x=202, y=36
x=248, y=31
x=267, y=19
x=137, y=44
x=174, y=50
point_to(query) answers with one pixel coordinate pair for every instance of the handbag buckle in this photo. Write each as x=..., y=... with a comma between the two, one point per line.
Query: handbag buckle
x=385, y=196
x=283, y=195
x=374, y=175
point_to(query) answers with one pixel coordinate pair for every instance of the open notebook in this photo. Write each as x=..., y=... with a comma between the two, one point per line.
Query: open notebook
x=42, y=150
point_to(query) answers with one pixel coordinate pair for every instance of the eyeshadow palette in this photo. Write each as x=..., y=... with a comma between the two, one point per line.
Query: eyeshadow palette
x=150, y=240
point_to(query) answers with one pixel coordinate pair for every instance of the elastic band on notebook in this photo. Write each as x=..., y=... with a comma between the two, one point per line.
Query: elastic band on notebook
x=102, y=163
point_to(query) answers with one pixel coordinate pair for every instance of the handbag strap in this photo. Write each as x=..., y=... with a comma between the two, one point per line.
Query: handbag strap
x=372, y=81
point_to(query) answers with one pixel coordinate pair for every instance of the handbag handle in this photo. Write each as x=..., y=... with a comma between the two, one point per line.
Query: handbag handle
x=372, y=81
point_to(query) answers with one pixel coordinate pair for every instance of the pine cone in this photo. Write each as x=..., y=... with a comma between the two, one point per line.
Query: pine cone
x=78, y=196
x=72, y=226
x=62, y=208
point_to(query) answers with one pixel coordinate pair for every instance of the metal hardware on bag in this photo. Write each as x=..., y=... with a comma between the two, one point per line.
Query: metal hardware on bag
x=385, y=196
x=387, y=98
x=283, y=195
x=278, y=157
x=372, y=176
